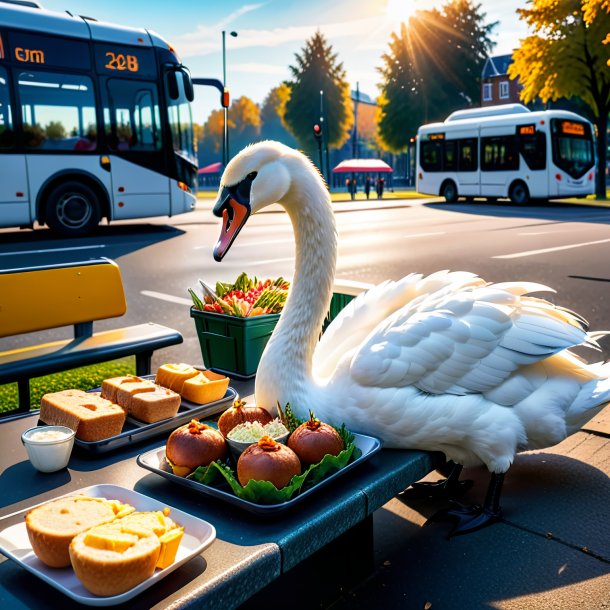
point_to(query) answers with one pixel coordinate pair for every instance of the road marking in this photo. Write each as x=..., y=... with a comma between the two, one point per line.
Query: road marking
x=52, y=250
x=555, y=249
x=409, y=235
x=166, y=297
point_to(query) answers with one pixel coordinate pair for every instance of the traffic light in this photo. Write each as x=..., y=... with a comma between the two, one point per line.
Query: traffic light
x=317, y=132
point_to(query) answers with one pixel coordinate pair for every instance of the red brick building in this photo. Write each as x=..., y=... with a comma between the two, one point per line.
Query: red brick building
x=496, y=87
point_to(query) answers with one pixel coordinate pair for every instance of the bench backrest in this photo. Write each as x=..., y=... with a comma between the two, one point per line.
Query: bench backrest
x=39, y=298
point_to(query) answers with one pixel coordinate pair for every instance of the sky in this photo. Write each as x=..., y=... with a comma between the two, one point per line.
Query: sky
x=271, y=32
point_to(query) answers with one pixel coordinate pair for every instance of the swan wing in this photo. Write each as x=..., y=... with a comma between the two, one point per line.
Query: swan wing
x=364, y=313
x=468, y=340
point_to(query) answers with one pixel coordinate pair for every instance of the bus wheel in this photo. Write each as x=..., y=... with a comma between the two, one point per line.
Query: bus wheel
x=73, y=209
x=449, y=192
x=518, y=193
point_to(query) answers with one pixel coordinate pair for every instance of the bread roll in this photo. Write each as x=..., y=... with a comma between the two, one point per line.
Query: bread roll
x=113, y=558
x=52, y=526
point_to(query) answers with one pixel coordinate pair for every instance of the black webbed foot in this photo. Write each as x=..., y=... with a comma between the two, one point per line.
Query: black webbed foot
x=451, y=487
x=472, y=517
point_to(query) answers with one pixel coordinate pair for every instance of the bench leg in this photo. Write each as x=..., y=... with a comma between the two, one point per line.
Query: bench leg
x=143, y=363
x=23, y=391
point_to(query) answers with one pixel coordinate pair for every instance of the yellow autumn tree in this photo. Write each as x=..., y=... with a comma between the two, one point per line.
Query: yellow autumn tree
x=565, y=56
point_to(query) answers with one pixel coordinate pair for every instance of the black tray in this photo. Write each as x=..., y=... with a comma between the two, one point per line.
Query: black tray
x=154, y=461
x=136, y=431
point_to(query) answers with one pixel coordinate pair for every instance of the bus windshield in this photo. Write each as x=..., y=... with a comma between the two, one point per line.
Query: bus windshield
x=181, y=121
x=572, y=147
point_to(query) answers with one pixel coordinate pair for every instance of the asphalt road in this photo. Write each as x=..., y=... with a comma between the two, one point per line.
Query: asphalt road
x=563, y=246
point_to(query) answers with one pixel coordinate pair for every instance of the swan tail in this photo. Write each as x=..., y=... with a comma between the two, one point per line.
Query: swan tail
x=591, y=399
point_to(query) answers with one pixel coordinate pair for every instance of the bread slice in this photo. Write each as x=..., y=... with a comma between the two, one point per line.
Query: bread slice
x=92, y=417
x=113, y=558
x=110, y=386
x=52, y=526
x=207, y=386
x=154, y=406
x=129, y=389
x=173, y=376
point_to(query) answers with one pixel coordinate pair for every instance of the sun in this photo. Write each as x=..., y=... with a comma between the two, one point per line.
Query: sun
x=397, y=11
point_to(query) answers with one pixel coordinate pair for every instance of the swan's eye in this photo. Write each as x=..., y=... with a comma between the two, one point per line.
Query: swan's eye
x=252, y=175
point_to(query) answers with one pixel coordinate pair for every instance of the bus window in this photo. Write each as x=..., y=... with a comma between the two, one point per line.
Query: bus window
x=572, y=147
x=7, y=135
x=499, y=153
x=533, y=150
x=58, y=111
x=450, y=156
x=180, y=120
x=467, y=159
x=431, y=155
x=131, y=115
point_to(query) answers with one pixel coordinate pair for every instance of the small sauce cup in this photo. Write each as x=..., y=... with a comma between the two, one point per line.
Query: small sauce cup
x=49, y=447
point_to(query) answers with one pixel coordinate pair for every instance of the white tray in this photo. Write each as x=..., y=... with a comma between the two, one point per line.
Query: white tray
x=15, y=544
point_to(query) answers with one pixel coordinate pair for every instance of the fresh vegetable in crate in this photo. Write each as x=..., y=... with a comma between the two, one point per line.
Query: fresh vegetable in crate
x=246, y=297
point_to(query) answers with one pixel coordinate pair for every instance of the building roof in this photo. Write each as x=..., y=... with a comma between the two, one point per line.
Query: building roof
x=213, y=168
x=496, y=66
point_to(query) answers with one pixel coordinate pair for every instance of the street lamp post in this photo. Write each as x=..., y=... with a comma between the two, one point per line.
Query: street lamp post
x=225, y=139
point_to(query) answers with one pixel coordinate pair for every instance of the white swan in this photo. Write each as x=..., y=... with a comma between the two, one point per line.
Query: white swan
x=446, y=362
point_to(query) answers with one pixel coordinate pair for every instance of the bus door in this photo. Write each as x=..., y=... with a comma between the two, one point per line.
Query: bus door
x=462, y=147
x=140, y=186
x=14, y=200
x=499, y=160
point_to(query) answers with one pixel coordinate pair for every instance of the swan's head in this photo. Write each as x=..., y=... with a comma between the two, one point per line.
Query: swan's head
x=258, y=176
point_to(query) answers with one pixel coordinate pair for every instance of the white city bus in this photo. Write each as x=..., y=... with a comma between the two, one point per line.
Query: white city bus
x=507, y=151
x=95, y=122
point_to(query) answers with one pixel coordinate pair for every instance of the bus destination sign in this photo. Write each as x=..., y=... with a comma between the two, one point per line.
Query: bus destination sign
x=526, y=130
x=125, y=61
x=436, y=136
x=572, y=128
x=41, y=50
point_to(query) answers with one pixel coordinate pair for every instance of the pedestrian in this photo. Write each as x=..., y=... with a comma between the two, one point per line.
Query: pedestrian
x=348, y=185
x=354, y=188
x=380, y=185
x=367, y=186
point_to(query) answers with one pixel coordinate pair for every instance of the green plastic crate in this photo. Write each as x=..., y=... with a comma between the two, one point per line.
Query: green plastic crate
x=233, y=345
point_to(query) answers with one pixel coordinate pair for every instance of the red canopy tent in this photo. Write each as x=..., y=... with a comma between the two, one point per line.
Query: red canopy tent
x=213, y=168
x=362, y=165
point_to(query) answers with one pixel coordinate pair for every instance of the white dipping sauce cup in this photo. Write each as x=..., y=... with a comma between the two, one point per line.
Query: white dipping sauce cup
x=49, y=455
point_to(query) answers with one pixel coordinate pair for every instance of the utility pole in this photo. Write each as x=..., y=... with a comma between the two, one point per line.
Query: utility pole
x=225, y=138
x=355, y=147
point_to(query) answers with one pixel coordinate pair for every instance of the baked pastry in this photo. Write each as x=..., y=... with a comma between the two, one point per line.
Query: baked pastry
x=154, y=406
x=173, y=376
x=113, y=558
x=206, y=386
x=52, y=526
x=91, y=416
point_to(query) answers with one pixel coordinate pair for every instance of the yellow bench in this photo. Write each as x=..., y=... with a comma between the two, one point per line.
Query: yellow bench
x=73, y=294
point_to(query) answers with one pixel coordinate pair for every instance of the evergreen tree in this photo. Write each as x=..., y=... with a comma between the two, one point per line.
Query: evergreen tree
x=317, y=70
x=272, y=116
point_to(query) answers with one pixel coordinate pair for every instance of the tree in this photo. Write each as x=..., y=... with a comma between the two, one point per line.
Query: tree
x=273, y=111
x=210, y=145
x=244, y=124
x=566, y=57
x=317, y=70
x=432, y=68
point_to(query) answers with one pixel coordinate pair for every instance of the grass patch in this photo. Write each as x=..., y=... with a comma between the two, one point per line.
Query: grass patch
x=83, y=378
